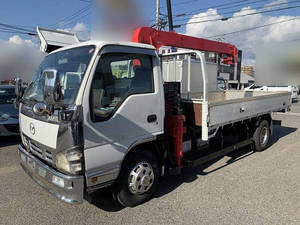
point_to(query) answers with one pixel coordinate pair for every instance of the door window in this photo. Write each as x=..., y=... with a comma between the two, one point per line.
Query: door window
x=118, y=76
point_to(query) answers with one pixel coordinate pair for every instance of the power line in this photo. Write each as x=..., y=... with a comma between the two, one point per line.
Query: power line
x=233, y=17
x=255, y=8
x=72, y=16
x=26, y=30
x=152, y=16
x=75, y=20
x=212, y=6
x=15, y=32
x=253, y=28
x=193, y=1
x=15, y=29
x=215, y=6
x=219, y=8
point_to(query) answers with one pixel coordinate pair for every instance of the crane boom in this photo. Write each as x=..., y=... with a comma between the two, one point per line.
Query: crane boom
x=157, y=38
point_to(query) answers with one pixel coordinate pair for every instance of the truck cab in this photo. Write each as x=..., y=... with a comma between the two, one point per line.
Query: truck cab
x=109, y=94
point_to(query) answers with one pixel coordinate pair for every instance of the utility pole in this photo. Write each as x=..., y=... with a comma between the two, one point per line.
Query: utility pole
x=170, y=16
x=157, y=21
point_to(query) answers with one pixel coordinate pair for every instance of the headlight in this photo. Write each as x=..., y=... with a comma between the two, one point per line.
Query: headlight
x=4, y=117
x=69, y=161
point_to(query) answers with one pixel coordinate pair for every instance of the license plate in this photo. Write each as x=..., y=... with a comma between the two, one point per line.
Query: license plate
x=23, y=158
x=42, y=172
x=31, y=163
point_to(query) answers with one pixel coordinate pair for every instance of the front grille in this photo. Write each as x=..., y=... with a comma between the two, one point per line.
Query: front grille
x=38, y=150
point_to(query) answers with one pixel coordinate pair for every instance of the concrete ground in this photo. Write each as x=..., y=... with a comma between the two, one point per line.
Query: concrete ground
x=240, y=188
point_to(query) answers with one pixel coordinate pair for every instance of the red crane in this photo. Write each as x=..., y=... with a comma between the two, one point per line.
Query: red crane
x=174, y=123
x=157, y=38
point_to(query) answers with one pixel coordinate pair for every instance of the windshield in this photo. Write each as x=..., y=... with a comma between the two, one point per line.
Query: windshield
x=255, y=86
x=7, y=95
x=71, y=65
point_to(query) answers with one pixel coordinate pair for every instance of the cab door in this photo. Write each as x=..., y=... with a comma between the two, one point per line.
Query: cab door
x=123, y=106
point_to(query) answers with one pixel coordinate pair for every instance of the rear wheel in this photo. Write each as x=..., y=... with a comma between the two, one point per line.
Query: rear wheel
x=138, y=179
x=261, y=136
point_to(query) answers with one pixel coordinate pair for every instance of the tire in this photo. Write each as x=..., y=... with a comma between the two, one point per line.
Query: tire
x=261, y=136
x=141, y=169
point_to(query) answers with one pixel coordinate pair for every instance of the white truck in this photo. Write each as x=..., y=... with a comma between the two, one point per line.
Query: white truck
x=103, y=113
x=292, y=89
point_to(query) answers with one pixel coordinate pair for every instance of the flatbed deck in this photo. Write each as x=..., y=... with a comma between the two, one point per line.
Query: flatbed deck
x=226, y=107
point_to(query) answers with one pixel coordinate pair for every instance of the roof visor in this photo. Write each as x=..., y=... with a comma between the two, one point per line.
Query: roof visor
x=54, y=39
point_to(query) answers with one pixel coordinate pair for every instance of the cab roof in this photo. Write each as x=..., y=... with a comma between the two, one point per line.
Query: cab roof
x=100, y=44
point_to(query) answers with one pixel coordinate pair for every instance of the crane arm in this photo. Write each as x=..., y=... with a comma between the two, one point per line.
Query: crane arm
x=157, y=38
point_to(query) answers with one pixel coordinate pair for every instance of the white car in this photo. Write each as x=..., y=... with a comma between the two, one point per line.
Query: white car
x=291, y=88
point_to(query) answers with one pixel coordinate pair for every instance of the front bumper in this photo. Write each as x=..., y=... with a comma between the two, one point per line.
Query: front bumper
x=66, y=188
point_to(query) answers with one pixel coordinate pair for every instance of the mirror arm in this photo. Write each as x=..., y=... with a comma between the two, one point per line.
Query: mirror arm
x=50, y=109
x=17, y=102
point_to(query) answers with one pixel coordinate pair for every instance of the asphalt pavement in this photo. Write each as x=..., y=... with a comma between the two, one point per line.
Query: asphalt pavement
x=240, y=188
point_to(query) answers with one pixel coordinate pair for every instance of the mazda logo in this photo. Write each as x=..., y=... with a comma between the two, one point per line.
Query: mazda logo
x=32, y=128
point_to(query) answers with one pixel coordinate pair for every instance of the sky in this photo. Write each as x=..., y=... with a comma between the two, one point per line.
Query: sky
x=88, y=20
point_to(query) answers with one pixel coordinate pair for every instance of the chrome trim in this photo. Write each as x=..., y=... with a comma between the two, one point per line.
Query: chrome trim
x=38, y=150
x=74, y=185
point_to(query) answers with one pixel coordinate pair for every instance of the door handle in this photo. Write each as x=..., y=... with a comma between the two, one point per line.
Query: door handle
x=151, y=118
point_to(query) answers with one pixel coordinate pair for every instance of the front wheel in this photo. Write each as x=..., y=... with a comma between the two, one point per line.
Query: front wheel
x=261, y=136
x=138, y=179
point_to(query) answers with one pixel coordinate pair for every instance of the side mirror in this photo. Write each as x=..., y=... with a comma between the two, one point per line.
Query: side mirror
x=53, y=94
x=18, y=92
x=18, y=88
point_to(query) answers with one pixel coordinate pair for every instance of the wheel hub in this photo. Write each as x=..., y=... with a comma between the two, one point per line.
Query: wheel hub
x=141, y=178
x=264, y=135
x=145, y=181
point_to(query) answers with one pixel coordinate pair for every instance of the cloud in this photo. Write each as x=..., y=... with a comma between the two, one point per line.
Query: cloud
x=250, y=40
x=16, y=39
x=81, y=31
x=19, y=57
x=276, y=4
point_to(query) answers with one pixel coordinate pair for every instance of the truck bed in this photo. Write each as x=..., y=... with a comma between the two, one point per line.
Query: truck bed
x=225, y=107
